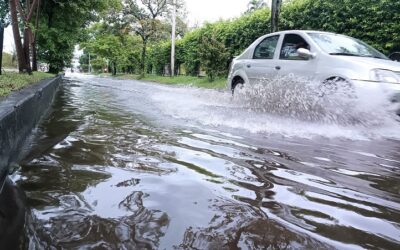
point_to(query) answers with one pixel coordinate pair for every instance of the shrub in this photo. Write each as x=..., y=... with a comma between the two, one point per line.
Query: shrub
x=213, y=56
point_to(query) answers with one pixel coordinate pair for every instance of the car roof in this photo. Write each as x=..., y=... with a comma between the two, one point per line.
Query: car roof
x=299, y=31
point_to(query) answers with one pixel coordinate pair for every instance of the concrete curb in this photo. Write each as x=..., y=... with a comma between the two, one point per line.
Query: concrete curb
x=20, y=113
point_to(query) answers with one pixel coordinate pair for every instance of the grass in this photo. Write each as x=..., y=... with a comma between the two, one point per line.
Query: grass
x=201, y=82
x=12, y=81
x=9, y=61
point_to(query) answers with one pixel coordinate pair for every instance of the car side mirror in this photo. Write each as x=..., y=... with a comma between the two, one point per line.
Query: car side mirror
x=305, y=53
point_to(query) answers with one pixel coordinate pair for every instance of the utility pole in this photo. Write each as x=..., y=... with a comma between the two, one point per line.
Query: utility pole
x=275, y=9
x=1, y=45
x=173, y=38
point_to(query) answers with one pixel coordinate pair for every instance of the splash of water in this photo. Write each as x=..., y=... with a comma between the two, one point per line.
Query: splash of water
x=286, y=106
x=335, y=102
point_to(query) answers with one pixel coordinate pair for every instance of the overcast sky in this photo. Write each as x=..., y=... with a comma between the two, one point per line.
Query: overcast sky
x=199, y=11
x=212, y=10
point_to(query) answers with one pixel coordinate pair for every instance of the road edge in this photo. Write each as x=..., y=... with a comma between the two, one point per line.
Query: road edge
x=20, y=113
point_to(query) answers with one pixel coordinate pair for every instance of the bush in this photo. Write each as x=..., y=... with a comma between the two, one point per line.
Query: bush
x=159, y=55
x=213, y=56
x=234, y=35
x=375, y=22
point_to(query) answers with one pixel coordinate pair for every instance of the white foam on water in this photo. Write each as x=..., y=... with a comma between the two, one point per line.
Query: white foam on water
x=80, y=76
x=286, y=106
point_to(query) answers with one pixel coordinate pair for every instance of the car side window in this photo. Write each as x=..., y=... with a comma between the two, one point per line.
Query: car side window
x=291, y=43
x=266, y=49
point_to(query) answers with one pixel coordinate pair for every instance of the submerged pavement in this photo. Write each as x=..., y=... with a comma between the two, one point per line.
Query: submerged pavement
x=126, y=164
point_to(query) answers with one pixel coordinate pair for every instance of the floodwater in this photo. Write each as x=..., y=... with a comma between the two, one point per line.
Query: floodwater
x=130, y=165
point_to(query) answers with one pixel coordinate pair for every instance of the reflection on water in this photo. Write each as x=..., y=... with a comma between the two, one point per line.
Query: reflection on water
x=107, y=172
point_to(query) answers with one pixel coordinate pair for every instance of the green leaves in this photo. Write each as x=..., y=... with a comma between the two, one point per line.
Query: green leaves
x=118, y=48
x=375, y=22
x=210, y=47
x=213, y=56
x=229, y=37
x=4, y=13
x=62, y=24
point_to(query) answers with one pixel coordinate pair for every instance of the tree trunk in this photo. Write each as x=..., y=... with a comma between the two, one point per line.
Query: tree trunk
x=1, y=46
x=34, y=57
x=22, y=65
x=34, y=49
x=114, y=69
x=275, y=10
x=143, y=62
x=27, y=42
x=23, y=51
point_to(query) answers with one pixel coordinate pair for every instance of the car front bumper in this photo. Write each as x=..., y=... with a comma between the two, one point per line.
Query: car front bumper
x=377, y=85
x=391, y=91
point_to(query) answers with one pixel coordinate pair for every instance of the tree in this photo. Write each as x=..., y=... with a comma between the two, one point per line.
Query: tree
x=26, y=15
x=34, y=40
x=144, y=18
x=137, y=24
x=255, y=5
x=275, y=11
x=4, y=16
x=235, y=35
x=23, y=65
x=62, y=27
x=26, y=12
x=4, y=13
x=108, y=46
x=110, y=42
x=213, y=56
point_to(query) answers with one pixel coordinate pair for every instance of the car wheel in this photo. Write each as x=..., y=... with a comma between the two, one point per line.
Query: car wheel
x=238, y=82
x=395, y=56
x=335, y=84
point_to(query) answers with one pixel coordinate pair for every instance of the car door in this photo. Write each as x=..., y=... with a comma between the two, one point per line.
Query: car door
x=290, y=63
x=262, y=64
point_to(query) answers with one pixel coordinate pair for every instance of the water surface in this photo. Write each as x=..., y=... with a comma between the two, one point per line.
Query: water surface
x=132, y=165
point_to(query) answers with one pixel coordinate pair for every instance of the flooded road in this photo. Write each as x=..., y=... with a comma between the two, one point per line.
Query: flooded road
x=132, y=165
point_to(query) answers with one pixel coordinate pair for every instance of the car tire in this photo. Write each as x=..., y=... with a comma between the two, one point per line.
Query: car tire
x=395, y=56
x=331, y=86
x=237, y=82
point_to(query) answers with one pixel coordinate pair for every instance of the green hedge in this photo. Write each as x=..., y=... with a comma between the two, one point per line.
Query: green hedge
x=376, y=22
x=236, y=35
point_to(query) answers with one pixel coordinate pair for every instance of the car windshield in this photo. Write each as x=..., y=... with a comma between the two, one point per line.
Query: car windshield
x=344, y=46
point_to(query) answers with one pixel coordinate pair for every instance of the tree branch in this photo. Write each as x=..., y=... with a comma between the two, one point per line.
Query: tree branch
x=21, y=11
x=37, y=21
x=31, y=10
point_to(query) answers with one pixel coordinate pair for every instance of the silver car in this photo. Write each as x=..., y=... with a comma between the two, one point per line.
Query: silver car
x=321, y=57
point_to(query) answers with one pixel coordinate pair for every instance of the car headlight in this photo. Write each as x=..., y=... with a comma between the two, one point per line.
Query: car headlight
x=381, y=75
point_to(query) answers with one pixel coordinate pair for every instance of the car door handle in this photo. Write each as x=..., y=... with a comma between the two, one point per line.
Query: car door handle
x=278, y=67
x=248, y=66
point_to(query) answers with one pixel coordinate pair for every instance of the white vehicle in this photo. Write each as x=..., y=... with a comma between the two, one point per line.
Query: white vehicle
x=321, y=57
